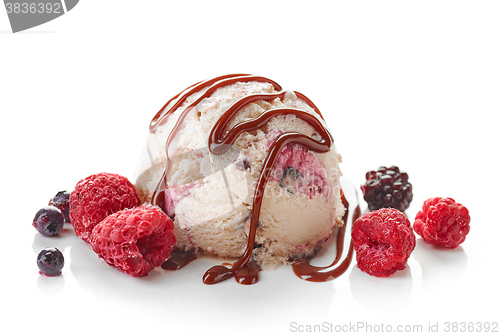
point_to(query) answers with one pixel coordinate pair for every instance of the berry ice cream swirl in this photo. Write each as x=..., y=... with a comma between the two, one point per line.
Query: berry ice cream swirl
x=287, y=155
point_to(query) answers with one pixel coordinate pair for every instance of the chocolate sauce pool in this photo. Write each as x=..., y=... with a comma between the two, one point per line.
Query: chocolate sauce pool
x=245, y=271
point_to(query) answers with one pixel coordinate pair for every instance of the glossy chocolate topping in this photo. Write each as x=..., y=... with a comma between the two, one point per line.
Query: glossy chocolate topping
x=219, y=273
x=161, y=117
x=303, y=268
x=243, y=270
x=178, y=260
x=213, y=84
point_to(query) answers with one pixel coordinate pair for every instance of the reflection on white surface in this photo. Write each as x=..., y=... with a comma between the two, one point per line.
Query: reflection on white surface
x=61, y=241
x=50, y=286
x=381, y=295
x=164, y=291
x=440, y=266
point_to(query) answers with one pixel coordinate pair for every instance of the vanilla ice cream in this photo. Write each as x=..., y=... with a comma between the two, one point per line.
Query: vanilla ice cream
x=210, y=196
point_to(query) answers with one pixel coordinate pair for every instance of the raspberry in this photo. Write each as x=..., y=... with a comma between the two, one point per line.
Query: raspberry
x=134, y=240
x=387, y=188
x=97, y=197
x=443, y=222
x=383, y=240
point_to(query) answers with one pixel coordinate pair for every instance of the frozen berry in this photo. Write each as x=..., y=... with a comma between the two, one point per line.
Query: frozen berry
x=291, y=179
x=135, y=240
x=383, y=240
x=50, y=261
x=97, y=197
x=387, y=188
x=49, y=221
x=61, y=201
x=443, y=222
x=242, y=164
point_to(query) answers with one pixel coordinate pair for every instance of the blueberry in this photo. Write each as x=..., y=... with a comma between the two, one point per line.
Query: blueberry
x=49, y=221
x=50, y=261
x=61, y=201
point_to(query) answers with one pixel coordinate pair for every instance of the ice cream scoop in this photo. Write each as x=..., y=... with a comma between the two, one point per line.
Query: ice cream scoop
x=245, y=169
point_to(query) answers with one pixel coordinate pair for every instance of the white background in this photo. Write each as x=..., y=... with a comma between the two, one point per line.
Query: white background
x=414, y=84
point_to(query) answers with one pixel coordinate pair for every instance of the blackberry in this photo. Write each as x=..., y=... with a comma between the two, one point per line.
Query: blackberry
x=49, y=221
x=387, y=188
x=61, y=201
x=50, y=261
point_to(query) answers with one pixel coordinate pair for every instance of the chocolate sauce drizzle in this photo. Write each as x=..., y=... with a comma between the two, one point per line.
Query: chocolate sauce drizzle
x=161, y=117
x=303, y=268
x=178, y=260
x=243, y=270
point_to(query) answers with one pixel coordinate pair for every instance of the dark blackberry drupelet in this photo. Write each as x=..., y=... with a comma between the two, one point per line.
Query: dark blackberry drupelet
x=387, y=188
x=50, y=261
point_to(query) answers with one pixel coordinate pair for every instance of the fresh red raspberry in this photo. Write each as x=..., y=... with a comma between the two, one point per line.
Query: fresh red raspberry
x=97, y=197
x=383, y=240
x=134, y=240
x=443, y=222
